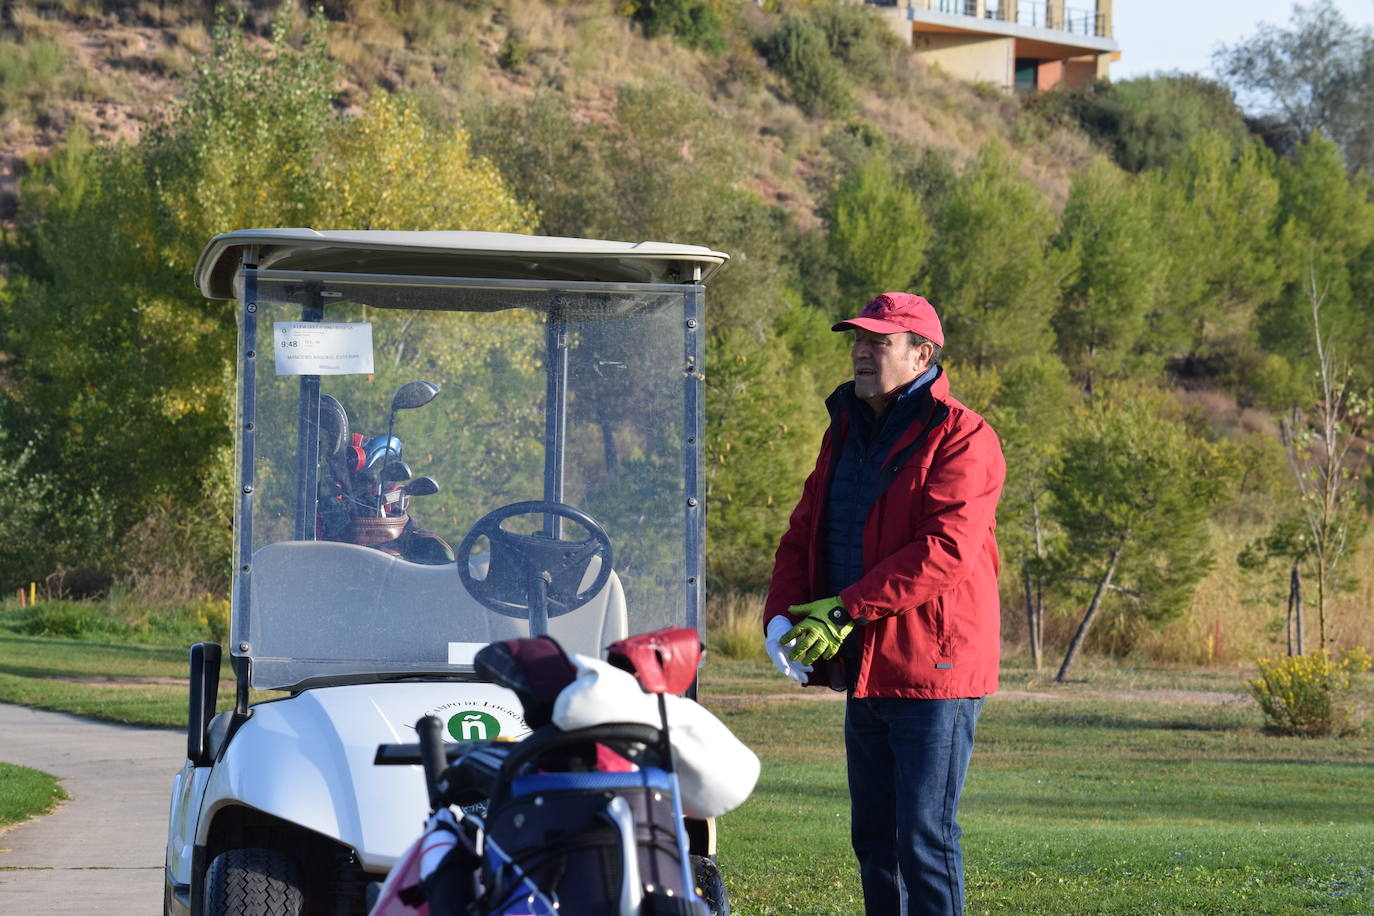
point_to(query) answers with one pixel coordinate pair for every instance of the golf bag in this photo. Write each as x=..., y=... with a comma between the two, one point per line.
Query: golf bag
x=584, y=821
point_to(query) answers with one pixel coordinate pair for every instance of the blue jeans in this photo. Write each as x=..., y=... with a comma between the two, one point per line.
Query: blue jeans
x=907, y=762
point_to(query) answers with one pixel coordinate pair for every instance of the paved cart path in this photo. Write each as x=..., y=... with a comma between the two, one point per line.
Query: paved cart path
x=101, y=851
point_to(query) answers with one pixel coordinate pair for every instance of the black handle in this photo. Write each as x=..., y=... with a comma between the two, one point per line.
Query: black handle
x=432, y=756
x=614, y=734
x=205, y=657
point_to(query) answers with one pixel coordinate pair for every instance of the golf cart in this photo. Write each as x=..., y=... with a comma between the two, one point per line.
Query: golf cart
x=443, y=440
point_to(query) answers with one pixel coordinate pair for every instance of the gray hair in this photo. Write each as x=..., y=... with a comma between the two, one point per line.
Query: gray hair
x=936, y=350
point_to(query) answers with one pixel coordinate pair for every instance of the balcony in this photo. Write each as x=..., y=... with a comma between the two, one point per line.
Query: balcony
x=1037, y=14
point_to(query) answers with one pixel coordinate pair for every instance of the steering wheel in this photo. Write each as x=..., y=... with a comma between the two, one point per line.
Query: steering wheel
x=520, y=566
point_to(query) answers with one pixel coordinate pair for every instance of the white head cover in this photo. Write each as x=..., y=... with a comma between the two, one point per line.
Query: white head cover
x=715, y=771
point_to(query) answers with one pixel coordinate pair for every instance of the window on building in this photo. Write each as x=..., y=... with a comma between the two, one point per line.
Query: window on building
x=1027, y=69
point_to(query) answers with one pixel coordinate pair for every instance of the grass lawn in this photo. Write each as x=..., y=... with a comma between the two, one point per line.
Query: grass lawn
x=1119, y=795
x=26, y=793
x=1130, y=791
x=113, y=682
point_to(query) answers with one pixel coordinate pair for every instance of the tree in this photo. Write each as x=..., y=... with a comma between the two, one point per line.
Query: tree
x=1118, y=267
x=661, y=169
x=1287, y=541
x=1217, y=214
x=1316, y=75
x=1328, y=224
x=1031, y=410
x=991, y=276
x=878, y=232
x=1133, y=492
x=1324, y=466
x=108, y=238
x=764, y=420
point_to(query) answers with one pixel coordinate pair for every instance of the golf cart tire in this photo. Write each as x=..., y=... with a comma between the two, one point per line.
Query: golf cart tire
x=711, y=885
x=253, y=882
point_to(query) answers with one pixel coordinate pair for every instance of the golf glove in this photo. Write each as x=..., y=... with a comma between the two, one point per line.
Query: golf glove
x=821, y=631
x=777, y=651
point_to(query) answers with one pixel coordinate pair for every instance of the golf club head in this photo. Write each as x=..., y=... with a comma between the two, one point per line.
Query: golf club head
x=413, y=394
x=333, y=424
x=395, y=472
x=422, y=486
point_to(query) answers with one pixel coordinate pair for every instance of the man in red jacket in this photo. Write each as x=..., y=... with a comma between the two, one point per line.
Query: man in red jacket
x=885, y=586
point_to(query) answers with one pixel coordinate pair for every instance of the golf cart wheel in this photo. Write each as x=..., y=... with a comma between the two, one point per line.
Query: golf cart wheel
x=253, y=882
x=711, y=886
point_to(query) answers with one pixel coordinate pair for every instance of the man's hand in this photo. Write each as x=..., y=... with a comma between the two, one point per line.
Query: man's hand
x=777, y=650
x=821, y=631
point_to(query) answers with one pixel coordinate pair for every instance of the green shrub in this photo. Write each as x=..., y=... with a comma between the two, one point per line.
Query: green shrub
x=124, y=620
x=29, y=72
x=692, y=22
x=800, y=52
x=1311, y=695
x=71, y=620
x=859, y=38
x=1150, y=121
x=515, y=51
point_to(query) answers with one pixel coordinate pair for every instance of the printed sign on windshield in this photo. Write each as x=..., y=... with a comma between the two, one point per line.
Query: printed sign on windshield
x=323, y=348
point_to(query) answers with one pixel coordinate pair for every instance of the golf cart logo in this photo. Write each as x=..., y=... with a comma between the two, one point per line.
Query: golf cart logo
x=474, y=725
x=480, y=720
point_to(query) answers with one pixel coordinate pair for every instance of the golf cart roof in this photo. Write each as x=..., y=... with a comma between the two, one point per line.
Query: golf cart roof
x=451, y=254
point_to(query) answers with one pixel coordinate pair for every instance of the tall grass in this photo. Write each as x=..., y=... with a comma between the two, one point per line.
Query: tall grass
x=734, y=627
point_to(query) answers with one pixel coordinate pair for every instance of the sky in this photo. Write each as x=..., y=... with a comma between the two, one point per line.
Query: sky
x=1160, y=35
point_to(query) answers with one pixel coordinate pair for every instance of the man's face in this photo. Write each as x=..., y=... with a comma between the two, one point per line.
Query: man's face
x=884, y=363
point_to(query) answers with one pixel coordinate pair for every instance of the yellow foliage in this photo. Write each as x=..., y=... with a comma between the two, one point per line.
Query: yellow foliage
x=213, y=614
x=1311, y=694
x=391, y=169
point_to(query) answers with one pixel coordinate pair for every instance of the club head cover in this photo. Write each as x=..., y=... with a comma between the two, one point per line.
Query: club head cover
x=536, y=669
x=664, y=661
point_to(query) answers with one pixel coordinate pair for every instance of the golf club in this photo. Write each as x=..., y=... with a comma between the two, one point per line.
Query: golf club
x=421, y=486
x=408, y=397
x=394, y=473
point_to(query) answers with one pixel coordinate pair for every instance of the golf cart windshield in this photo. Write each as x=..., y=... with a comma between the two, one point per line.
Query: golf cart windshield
x=427, y=464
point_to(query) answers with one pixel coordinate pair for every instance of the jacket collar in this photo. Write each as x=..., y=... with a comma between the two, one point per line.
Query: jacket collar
x=843, y=405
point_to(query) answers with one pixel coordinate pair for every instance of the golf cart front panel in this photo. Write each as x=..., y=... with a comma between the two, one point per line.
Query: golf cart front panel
x=575, y=394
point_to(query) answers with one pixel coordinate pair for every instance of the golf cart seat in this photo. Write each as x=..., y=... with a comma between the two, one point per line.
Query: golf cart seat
x=443, y=624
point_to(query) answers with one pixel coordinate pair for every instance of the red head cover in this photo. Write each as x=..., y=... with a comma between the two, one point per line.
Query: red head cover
x=665, y=661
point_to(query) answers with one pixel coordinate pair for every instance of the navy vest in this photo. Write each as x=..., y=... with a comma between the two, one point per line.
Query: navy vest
x=857, y=477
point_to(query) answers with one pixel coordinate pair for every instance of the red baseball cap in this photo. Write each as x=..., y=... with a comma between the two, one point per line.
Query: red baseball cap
x=894, y=313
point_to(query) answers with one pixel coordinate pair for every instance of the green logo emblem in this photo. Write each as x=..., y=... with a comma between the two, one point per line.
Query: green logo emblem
x=474, y=725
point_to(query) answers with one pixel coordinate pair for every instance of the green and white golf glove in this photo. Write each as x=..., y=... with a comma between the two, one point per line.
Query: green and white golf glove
x=821, y=631
x=778, y=650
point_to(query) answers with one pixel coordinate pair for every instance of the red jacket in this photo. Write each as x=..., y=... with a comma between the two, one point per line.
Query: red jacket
x=928, y=597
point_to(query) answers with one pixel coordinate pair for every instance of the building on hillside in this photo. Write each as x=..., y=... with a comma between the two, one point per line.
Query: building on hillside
x=1020, y=45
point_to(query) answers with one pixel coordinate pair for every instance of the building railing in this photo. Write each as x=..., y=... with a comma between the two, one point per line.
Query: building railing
x=1039, y=14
